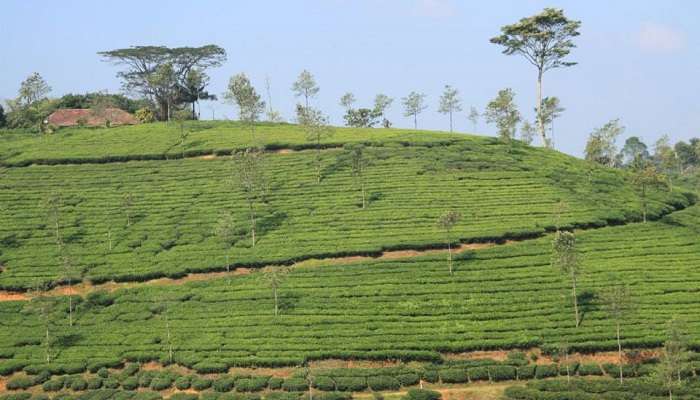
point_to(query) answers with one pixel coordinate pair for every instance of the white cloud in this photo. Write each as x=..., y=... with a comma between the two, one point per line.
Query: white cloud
x=435, y=8
x=658, y=38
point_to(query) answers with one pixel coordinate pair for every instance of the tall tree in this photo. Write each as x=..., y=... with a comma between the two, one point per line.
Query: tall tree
x=600, y=147
x=53, y=204
x=617, y=303
x=252, y=181
x=382, y=102
x=565, y=257
x=527, y=132
x=545, y=40
x=3, y=119
x=450, y=102
x=68, y=275
x=274, y=276
x=413, y=105
x=355, y=156
x=550, y=110
x=347, y=100
x=473, y=117
x=645, y=175
x=666, y=158
x=503, y=112
x=225, y=231
x=142, y=62
x=306, y=87
x=634, y=152
x=33, y=89
x=41, y=304
x=271, y=114
x=193, y=89
x=315, y=124
x=446, y=222
x=243, y=94
x=674, y=358
x=164, y=84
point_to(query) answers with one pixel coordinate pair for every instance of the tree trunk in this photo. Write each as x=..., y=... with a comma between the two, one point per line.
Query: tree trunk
x=70, y=308
x=194, y=113
x=48, y=343
x=450, y=121
x=449, y=254
x=318, y=158
x=568, y=373
x=170, y=344
x=575, y=298
x=274, y=293
x=252, y=223
x=415, y=121
x=362, y=189
x=644, y=203
x=619, y=350
x=540, y=122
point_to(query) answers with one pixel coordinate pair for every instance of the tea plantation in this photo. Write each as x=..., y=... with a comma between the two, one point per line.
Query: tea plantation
x=219, y=338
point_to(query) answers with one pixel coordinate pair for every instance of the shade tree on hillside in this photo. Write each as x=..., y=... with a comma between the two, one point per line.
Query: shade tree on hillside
x=666, y=158
x=544, y=40
x=127, y=206
x=305, y=86
x=69, y=272
x=252, y=181
x=503, y=112
x=42, y=305
x=271, y=114
x=53, y=205
x=674, y=358
x=473, y=117
x=31, y=106
x=550, y=110
x=3, y=119
x=446, y=222
x=450, y=103
x=142, y=64
x=565, y=257
x=527, y=132
x=347, y=100
x=33, y=89
x=618, y=305
x=600, y=147
x=274, y=276
x=315, y=125
x=382, y=103
x=414, y=104
x=225, y=232
x=644, y=176
x=242, y=93
x=634, y=153
x=193, y=89
x=355, y=156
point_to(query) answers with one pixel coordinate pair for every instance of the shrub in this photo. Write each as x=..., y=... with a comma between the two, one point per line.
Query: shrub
x=10, y=367
x=526, y=372
x=380, y=383
x=479, y=374
x=453, y=375
x=430, y=375
x=284, y=396
x=295, y=385
x=502, y=373
x=110, y=383
x=94, y=383
x=275, y=383
x=517, y=357
x=145, y=115
x=54, y=385
x=422, y=394
x=161, y=383
x=409, y=379
x=131, y=369
x=253, y=384
x=210, y=396
x=333, y=396
x=20, y=382
x=224, y=384
x=184, y=396
x=546, y=371
x=324, y=383
x=210, y=367
x=145, y=379
x=78, y=384
x=103, y=372
x=130, y=383
x=183, y=382
x=350, y=384
x=42, y=377
x=201, y=383
x=97, y=365
x=19, y=396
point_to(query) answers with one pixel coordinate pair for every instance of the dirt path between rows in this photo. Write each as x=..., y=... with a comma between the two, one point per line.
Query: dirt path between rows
x=82, y=289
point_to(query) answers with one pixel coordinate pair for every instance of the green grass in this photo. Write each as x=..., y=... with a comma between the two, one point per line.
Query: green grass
x=501, y=193
x=504, y=297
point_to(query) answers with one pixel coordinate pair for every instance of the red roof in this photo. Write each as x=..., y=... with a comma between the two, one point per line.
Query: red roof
x=70, y=117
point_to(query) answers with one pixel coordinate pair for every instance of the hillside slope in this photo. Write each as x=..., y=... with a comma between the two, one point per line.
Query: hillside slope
x=502, y=192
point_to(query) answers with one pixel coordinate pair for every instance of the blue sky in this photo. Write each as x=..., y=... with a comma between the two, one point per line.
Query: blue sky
x=638, y=60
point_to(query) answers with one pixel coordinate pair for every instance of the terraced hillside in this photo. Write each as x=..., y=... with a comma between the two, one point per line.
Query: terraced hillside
x=168, y=228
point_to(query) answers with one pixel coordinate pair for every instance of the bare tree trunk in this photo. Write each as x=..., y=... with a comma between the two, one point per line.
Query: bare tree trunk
x=274, y=293
x=70, y=308
x=415, y=121
x=48, y=343
x=540, y=122
x=362, y=189
x=449, y=255
x=252, y=223
x=619, y=350
x=568, y=374
x=450, y=121
x=318, y=158
x=170, y=343
x=575, y=298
